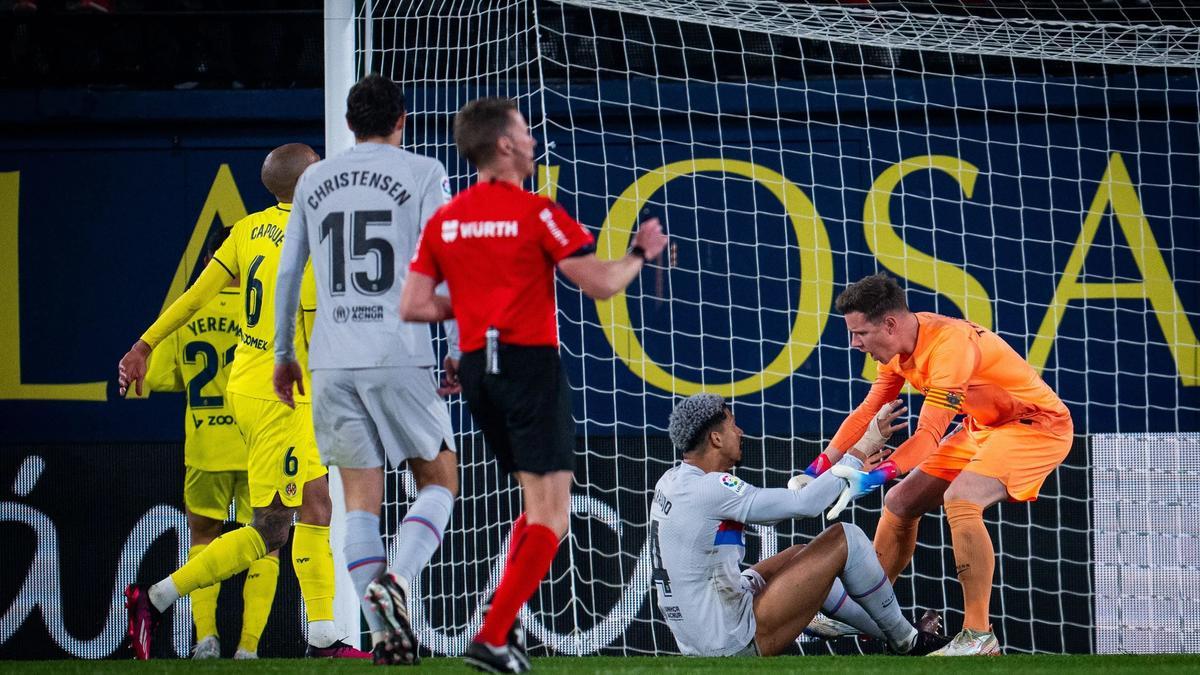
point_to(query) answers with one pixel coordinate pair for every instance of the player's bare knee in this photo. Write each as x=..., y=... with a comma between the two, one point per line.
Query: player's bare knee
x=441, y=471
x=558, y=523
x=203, y=529
x=905, y=503
x=971, y=491
x=316, y=509
x=316, y=513
x=272, y=523
x=832, y=536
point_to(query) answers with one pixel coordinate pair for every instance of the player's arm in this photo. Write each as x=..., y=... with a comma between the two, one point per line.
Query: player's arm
x=953, y=362
x=771, y=505
x=434, y=195
x=164, y=372
x=450, y=382
x=308, y=306
x=293, y=259
x=602, y=279
x=883, y=392
x=132, y=368
x=419, y=301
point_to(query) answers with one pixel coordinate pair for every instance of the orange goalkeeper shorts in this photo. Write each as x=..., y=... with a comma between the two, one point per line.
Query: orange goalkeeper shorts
x=1019, y=454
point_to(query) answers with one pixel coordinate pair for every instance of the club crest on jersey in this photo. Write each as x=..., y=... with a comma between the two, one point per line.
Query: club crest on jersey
x=732, y=483
x=446, y=188
x=290, y=490
x=449, y=230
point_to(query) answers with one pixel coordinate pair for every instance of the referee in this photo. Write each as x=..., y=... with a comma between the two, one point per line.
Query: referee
x=497, y=246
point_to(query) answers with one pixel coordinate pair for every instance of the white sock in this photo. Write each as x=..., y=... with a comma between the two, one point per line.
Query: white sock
x=365, y=558
x=838, y=605
x=421, y=531
x=870, y=588
x=322, y=633
x=163, y=594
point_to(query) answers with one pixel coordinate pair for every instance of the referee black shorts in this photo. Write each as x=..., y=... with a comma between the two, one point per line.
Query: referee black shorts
x=525, y=410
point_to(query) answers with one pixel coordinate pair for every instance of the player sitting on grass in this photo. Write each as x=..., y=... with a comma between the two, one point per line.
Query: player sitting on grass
x=696, y=520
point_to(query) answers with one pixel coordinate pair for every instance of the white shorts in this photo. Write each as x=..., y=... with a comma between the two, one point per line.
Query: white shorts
x=363, y=416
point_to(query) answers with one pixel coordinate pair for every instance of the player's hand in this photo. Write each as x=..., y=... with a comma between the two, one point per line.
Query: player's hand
x=132, y=368
x=450, y=383
x=288, y=375
x=651, y=238
x=872, y=461
x=882, y=426
x=859, y=483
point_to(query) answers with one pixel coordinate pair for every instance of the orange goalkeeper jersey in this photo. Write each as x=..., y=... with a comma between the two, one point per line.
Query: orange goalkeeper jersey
x=960, y=368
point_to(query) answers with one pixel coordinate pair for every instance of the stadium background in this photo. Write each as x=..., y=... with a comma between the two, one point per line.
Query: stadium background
x=104, y=193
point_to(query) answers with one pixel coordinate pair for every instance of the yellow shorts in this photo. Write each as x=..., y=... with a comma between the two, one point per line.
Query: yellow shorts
x=209, y=493
x=1019, y=454
x=281, y=449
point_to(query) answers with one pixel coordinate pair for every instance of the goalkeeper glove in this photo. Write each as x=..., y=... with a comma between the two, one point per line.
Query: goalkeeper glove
x=819, y=466
x=859, y=483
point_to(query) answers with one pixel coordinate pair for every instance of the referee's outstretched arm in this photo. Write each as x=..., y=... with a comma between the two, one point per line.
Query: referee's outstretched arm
x=602, y=279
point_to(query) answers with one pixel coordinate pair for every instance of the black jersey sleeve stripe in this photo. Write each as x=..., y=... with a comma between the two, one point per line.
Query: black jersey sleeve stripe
x=583, y=250
x=226, y=267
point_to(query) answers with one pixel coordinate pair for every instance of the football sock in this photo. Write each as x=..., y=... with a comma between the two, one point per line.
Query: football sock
x=322, y=633
x=421, y=530
x=528, y=564
x=870, y=588
x=257, y=597
x=838, y=605
x=975, y=559
x=895, y=541
x=163, y=594
x=204, y=602
x=518, y=528
x=313, y=562
x=227, y=555
x=365, y=559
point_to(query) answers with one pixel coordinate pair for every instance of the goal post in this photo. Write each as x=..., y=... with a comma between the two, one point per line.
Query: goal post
x=341, y=22
x=1032, y=167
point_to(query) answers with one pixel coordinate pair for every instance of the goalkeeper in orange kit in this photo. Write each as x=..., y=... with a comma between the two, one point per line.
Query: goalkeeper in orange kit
x=1014, y=432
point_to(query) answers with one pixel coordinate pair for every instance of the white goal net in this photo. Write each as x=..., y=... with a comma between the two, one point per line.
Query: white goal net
x=1034, y=168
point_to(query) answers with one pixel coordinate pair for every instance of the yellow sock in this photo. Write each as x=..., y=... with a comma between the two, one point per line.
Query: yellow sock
x=895, y=542
x=227, y=555
x=204, y=602
x=313, y=562
x=975, y=559
x=257, y=597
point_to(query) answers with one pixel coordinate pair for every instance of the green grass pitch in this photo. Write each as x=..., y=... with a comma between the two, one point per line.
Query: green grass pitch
x=661, y=665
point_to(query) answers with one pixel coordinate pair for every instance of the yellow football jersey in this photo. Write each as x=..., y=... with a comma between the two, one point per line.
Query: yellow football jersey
x=196, y=359
x=251, y=254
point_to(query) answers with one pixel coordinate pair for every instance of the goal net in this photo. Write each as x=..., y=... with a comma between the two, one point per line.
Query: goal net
x=1031, y=167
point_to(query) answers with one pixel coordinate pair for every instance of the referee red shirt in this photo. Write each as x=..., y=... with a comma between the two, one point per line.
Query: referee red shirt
x=496, y=247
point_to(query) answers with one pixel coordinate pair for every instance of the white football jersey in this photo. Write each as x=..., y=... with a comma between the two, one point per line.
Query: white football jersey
x=697, y=545
x=360, y=214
